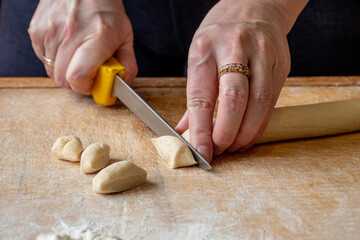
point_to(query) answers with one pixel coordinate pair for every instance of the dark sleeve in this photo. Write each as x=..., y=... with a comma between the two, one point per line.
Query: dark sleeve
x=324, y=40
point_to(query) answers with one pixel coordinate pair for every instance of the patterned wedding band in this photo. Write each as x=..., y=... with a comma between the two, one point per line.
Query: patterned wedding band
x=49, y=62
x=234, y=67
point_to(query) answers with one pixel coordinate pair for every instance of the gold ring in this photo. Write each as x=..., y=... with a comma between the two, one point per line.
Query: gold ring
x=49, y=62
x=234, y=67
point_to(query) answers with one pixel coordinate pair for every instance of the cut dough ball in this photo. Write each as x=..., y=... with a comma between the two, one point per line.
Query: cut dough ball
x=186, y=135
x=118, y=177
x=174, y=151
x=95, y=157
x=67, y=148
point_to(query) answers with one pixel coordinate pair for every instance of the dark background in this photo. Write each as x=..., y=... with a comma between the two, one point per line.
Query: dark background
x=325, y=39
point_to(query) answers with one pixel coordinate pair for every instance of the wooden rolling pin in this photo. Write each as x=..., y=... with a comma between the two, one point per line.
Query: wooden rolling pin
x=314, y=120
x=307, y=121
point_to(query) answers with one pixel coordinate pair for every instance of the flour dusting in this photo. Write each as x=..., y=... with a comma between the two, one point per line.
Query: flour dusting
x=76, y=233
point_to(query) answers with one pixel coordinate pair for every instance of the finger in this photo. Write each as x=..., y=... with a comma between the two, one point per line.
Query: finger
x=85, y=63
x=233, y=95
x=50, y=46
x=183, y=124
x=126, y=56
x=64, y=55
x=37, y=40
x=201, y=98
x=260, y=103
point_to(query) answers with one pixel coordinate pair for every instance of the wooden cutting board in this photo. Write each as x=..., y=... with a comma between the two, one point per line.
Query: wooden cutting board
x=304, y=189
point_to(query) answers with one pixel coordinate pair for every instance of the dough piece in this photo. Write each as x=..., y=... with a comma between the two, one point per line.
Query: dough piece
x=118, y=177
x=95, y=157
x=174, y=151
x=312, y=120
x=186, y=135
x=67, y=148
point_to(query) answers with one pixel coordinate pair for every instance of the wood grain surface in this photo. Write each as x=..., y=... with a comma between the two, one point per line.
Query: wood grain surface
x=303, y=189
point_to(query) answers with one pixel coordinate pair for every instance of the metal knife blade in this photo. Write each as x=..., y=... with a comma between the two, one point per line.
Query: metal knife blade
x=149, y=116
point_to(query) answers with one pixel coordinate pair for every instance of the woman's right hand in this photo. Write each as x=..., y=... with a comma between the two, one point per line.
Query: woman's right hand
x=80, y=35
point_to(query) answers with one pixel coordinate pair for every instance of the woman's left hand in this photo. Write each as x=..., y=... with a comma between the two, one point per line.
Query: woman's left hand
x=252, y=33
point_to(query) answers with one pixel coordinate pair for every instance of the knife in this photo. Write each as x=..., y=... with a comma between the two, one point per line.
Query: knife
x=109, y=85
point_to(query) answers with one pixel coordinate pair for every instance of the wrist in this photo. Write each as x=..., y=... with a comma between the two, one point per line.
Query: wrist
x=280, y=12
x=289, y=10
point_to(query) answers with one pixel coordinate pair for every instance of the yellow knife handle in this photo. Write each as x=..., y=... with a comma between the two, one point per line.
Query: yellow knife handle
x=104, y=80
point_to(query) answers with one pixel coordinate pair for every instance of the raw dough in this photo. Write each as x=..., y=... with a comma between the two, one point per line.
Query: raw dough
x=174, y=151
x=95, y=157
x=313, y=120
x=67, y=148
x=118, y=177
x=186, y=135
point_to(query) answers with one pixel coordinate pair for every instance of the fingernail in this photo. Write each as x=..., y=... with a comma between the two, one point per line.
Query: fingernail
x=204, y=152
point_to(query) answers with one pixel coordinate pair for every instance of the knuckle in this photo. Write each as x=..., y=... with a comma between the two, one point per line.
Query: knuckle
x=199, y=48
x=234, y=97
x=265, y=47
x=104, y=30
x=200, y=103
x=34, y=32
x=236, y=41
x=50, y=29
x=262, y=99
x=239, y=35
x=201, y=43
x=263, y=44
x=31, y=30
x=69, y=28
x=200, y=132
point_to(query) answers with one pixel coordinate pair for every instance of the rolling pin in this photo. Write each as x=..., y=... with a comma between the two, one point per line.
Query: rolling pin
x=313, y=120
x=307, y=121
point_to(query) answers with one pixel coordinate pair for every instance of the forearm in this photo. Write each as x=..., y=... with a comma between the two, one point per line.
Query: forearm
x=281, y=12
